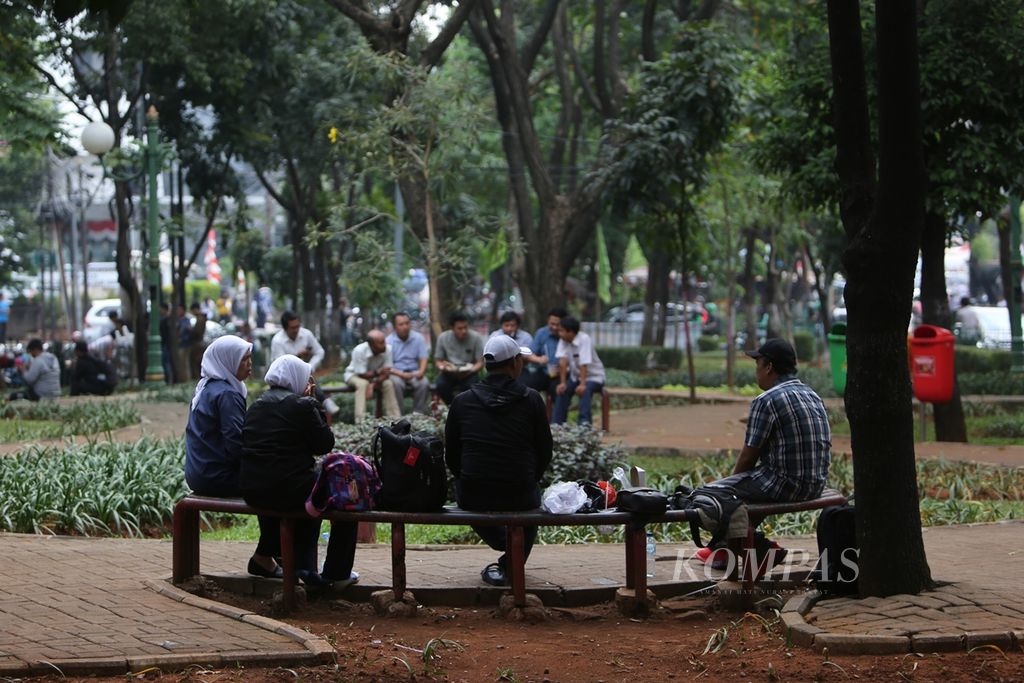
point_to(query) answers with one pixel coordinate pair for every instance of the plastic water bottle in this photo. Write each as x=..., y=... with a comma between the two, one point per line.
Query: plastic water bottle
x=652, y=554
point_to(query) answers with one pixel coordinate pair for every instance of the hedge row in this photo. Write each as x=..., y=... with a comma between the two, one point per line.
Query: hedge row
x=639, y=358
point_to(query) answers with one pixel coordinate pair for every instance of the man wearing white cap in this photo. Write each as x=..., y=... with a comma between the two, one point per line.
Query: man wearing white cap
x=498, y=446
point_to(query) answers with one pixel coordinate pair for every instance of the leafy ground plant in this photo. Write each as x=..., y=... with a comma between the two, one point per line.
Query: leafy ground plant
x=92, y=489
x=25, y=421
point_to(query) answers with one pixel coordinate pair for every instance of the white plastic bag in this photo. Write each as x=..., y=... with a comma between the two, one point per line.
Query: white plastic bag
x=563, y=498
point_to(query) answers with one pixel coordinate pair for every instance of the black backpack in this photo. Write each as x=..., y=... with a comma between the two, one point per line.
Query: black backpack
x=411, y=468
x=712, y=505
x=836, y=571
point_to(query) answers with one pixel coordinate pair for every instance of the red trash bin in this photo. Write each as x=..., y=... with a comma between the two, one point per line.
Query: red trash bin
x=931, y=363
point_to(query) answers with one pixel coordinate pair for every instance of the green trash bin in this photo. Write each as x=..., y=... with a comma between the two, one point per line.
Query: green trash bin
x=837, y=357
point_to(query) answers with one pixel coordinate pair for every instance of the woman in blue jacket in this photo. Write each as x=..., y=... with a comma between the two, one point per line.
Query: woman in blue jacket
x=213, y=439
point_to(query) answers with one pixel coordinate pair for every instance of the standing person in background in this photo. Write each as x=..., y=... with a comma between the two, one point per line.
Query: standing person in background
x=542, y=372
x=459, y=355
x=184, y=333
x=196, y=340
x=296, y=340
x=409, y=354
x=165, y=342
x=5, y=314
x=580, y=371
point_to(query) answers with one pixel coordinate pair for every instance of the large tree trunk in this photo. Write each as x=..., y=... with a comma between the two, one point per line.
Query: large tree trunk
x=884, y=230
x=132, y=309
x=949, y=417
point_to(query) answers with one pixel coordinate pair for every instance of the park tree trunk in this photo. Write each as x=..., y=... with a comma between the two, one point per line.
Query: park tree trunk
x=750, y=291
x=950, y=424
x=884, y=229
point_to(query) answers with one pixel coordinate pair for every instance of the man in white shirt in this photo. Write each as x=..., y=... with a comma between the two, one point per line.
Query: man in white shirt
x=580, y=371
x=368, y=371
x=296, y=340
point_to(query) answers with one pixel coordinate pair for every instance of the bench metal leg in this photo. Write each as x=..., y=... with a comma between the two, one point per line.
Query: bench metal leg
x=398, y=559
x=185, y=550
x=516, y=567
x=288, y=563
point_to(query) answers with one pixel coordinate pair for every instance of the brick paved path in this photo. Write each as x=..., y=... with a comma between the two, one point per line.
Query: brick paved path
x=83, y=605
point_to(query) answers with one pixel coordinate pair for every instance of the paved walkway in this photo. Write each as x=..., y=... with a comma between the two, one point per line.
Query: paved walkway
x=103, y=605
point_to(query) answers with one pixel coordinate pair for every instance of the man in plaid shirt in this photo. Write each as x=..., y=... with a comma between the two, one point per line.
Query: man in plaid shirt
x=787, y=449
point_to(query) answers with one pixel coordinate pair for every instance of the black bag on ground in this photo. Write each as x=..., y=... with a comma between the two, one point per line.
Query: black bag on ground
x=836, y=571
x=713, y=507
x=411, y=468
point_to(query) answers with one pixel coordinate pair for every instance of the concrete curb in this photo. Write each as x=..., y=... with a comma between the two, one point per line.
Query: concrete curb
x=800, y=633
x=316, y=650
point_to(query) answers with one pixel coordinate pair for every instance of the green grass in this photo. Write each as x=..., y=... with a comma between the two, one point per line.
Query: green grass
x=987, y=424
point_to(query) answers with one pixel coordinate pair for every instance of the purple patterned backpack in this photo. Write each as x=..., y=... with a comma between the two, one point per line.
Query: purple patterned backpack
x=346, y=483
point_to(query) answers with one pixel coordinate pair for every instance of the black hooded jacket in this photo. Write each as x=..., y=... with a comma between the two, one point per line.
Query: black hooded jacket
x=498, y=432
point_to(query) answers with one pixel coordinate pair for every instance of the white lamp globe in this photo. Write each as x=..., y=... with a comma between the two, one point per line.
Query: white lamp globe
x=98, y=138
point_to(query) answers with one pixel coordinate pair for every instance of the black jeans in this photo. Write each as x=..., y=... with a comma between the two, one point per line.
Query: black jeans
x=448, y=385
x=495, y=496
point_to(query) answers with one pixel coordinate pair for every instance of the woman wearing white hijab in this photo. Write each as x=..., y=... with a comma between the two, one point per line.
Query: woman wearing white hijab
x=283, y=431
x=213, y=438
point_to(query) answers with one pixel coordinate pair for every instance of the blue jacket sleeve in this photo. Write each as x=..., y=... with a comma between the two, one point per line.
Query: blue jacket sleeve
x=231, y=408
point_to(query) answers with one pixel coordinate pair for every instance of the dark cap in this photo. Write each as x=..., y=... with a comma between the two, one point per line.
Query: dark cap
x=779, y=351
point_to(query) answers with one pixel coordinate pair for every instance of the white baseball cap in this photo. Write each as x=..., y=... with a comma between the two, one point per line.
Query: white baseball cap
x=502, y=347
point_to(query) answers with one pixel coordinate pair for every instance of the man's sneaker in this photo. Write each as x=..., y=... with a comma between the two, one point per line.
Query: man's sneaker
x=718, y=558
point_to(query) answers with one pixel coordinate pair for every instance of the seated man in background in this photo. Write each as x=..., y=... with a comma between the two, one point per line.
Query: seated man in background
x=368, y=371
x=409, y=353
x=42, y=376
x=542, y=372
x=295, y=340
x=498, y=446
x=787, y=448
x=91, y=376
x=580, y=371
x=512, y=326
x=458, y=354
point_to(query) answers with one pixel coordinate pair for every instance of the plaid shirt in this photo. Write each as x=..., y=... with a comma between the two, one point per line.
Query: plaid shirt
x=789, y=425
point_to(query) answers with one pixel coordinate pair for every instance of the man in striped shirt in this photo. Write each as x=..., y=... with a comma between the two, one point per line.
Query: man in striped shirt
x=787, y=448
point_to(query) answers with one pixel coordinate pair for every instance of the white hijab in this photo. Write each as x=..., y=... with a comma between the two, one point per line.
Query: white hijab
x=289, y=372
x=220, y=361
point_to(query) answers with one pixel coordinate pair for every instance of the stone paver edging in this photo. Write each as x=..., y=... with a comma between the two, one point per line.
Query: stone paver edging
x=950, y=618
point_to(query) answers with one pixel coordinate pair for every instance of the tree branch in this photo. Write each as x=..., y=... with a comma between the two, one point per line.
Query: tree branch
x=366, y=20
x=431, y=54
x=581, y=75
x=56, y=86
x=533, y=46
x=275, y=195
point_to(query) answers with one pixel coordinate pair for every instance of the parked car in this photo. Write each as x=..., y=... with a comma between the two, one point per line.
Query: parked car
x=634, y=313
x=992, y=330
x=97, y=319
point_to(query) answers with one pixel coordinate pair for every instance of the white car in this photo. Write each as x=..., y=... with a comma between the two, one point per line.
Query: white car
x=991, y=329
x=97, y=319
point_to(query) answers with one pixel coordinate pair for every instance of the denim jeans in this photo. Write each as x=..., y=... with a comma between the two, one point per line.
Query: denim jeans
x=561, y=411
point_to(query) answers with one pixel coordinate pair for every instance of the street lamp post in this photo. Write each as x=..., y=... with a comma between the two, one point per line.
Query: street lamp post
x=98, y=138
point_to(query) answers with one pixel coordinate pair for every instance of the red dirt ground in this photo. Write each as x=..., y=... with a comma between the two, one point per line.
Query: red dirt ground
x=585, y=645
